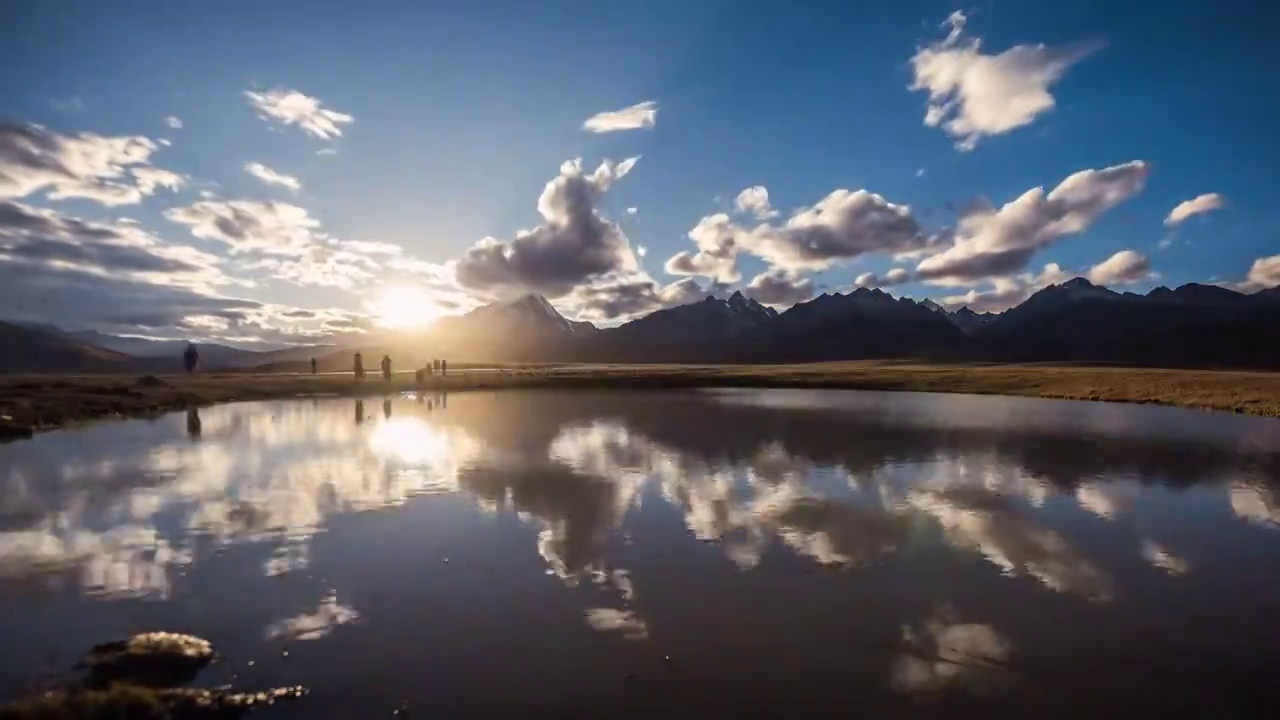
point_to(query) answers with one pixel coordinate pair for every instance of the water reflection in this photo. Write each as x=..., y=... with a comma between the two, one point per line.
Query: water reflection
x=939, y=514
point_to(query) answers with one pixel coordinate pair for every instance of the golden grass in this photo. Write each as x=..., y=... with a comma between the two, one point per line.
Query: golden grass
x=33, y=403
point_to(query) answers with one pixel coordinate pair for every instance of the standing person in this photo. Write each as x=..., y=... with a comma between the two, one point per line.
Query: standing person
x=444, y=367
x=313, y=366
x=386, y=367
x=190, y=358
x=358, y=369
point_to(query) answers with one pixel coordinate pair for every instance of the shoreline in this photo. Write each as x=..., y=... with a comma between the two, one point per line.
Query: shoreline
x=36, y=403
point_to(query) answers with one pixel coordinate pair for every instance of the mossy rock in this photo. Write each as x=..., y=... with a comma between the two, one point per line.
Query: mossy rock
x=155, y=659
x=131, y=702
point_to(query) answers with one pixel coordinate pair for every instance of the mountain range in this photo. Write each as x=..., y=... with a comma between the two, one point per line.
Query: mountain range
x=1076, y=321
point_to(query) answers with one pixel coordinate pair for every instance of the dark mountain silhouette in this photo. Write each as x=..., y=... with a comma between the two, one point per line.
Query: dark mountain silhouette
x=1076, y=321
x=1194, y=325
x=26, y=349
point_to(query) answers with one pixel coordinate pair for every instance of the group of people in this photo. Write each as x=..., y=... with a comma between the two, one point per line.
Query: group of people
x=191, y=360
x=435, y=366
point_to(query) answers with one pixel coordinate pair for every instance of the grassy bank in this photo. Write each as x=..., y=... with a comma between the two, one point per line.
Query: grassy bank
x=33, y=403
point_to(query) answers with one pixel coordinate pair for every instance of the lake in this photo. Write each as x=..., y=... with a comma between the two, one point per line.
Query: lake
x=602, y=554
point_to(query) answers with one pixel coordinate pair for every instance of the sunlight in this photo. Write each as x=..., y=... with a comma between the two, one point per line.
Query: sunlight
x=409, y=440
x=403, y=307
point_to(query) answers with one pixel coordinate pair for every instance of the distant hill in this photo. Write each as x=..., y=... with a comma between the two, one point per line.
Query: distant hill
x=30, y=350
x=1076, y=321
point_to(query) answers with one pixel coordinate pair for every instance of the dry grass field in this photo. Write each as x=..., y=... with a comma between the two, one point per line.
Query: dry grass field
x=31, y=403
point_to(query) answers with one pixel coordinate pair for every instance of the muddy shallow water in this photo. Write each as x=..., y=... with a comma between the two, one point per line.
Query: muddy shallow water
x=583, y=554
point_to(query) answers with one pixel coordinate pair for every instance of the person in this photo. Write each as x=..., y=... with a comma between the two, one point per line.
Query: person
x=313, y=366
x=359, y=367
x=444, y=367
x=386, y=367
x=190, y=358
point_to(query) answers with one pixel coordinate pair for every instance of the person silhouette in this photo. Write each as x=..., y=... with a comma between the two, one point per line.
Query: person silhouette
x=358, y=368
x=444, y=367
x=313, y=366
x=193, y=424
x=386, y=367
x=190, y=358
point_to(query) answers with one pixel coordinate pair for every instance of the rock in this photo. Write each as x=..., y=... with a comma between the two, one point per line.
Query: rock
x=155, y=659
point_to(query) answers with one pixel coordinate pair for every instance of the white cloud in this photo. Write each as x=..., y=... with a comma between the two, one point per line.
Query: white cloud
x=573, y=246
x=998, y=243
x=896, y=276
x=943, y=654
x=1007, y=292
x=632, y=211
x=624, y=622
x=1195, y=206
x=109, y=170
x=271, y=177
x=1263, y=274
x=641, y=251
x=173, y=122
x=630, y=296
x=779, y=287
x=250, y=226
x=313, y=625
x=717, y=258
x=1123, y=268
x=974, y=95
x=1007, y=537
x=755, y=200
x=325, y=152
x=290, y=107
x=638, y=116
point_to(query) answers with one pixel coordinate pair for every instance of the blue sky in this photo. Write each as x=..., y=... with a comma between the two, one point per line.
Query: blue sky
x=463, y=112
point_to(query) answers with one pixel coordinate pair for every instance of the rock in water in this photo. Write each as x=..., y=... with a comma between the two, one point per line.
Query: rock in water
x=155, y=659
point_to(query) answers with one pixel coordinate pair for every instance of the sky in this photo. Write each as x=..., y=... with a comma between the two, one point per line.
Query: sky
x=275, y=172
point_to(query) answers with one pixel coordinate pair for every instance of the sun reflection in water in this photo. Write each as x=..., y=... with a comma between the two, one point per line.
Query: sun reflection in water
x=409, y=440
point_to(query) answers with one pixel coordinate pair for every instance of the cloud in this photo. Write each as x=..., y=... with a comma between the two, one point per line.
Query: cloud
x=1263, y=274
x=632, y=211
x=314, y=625
x=995, y=527
x=624, y=622
x=271, y=177
x=942, y=654
x=323, y=152
x=1195, y=206
x=1123, y=268
x=896, y=276
x=290, y=107
x=36, y=238
x=638, y=116
x=716, y=239
x=573, y=246
x=173, y=122
x=109, y=170
x=997, y=243
x=755, y=200
x=842, y=226
x=250, y=225
x=1007, y=292
x=973, y=95
x=112, y=277
x=626, y=298
x=1161, y=558
x=779, y=287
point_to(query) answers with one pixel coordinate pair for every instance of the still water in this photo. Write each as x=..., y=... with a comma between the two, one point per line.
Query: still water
x=729, y=553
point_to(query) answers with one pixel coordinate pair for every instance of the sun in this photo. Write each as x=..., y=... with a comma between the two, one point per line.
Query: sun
x=403, y=307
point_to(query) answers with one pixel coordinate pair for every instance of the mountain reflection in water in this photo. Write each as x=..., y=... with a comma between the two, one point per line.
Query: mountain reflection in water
x=792, y=549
